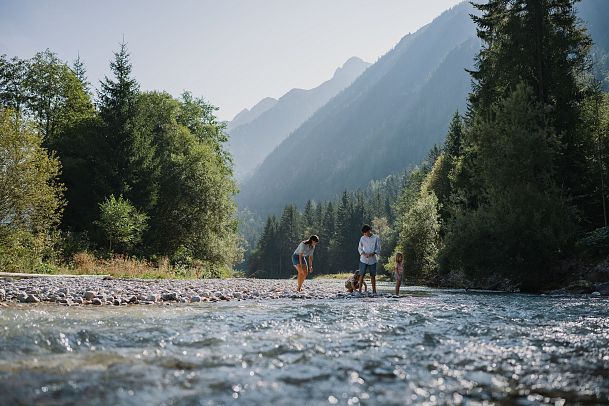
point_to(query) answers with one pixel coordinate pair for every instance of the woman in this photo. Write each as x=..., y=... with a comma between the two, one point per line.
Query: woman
x=304, y=249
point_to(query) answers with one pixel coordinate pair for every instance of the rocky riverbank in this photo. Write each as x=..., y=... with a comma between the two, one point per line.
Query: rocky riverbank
x=108, y=291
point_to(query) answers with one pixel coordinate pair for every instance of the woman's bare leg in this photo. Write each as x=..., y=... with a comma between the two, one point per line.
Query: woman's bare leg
x=397, y=287
x=302, y=275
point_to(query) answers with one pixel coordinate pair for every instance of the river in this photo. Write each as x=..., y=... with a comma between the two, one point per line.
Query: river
x=427, y=347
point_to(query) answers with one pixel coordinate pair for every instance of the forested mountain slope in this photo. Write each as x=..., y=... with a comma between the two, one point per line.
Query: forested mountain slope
x=252, y=141
x=384, y=122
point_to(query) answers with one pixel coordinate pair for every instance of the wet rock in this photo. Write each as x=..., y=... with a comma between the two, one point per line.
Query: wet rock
x=2, y=295
x=132, y=300
x=32, y=299
x=580, y=286
x=595, y=294
x=152, y=298
x=195, y=299
x=169, y=296
x=22, y=297
x=89, y=294
x=96, y=301
x=116, y=302
x=602, y=288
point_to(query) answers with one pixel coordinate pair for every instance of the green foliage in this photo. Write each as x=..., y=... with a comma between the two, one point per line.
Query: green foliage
x=337, y=223
x=164, y=156
x=121, y=223
x=31, y=198
x=595, y=242
x=542, y=45
x=522, y=221
x=419, y=236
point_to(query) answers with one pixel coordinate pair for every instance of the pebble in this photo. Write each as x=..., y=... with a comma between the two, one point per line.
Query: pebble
x=89, y=294
x=122, y=292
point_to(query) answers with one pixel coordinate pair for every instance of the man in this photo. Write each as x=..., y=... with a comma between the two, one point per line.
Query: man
x=369, y=247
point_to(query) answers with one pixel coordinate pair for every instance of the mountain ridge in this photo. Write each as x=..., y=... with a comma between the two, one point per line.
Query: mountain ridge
x=251, y=142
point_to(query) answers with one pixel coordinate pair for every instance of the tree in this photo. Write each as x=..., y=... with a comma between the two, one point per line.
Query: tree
x=522, y=222
x=419, y=236
x=132, y=148
x=538, y=43
x=31, y=198
x=78, y=67
x=13, y=94
x=122, y=224
x=195, y=206
x=56, y=97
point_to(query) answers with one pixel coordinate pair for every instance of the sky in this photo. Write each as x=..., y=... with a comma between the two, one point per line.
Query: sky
x=231, y=52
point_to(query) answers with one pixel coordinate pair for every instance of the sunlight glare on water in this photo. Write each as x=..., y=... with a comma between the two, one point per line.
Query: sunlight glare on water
x=436, y=347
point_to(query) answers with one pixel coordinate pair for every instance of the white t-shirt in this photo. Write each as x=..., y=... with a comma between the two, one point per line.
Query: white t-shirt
x=304, y=249
x=369, y=245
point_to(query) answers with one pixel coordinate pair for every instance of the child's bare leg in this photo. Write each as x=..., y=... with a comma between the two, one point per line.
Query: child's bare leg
x=397, y=287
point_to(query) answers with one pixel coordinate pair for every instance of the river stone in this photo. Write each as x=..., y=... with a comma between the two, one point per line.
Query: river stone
x=116, y=302
x=169, y=296
x=22, y=297
x=96, y=301
x=595, y=293
x=89, y=294
x=152, y=298
x=31, y=299
x=2, y=295
x=195, y=299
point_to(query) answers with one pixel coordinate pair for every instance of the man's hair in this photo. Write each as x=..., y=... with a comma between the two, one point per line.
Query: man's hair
x=366, y=228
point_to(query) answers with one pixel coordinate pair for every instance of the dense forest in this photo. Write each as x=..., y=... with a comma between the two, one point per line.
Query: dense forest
x=518, y=187
x=126, y=172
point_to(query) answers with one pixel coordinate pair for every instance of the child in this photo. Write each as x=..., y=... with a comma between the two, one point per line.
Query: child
x=399, y=271
x=352, y=283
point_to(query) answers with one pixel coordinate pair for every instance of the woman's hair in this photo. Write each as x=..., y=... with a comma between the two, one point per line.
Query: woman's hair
x=311, y=239
x=398, y=255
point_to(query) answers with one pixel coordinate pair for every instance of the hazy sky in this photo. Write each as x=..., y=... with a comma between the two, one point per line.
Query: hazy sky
x=232, y=52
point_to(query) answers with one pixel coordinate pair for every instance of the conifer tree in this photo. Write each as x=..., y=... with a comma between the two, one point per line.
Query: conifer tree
x=132, y=152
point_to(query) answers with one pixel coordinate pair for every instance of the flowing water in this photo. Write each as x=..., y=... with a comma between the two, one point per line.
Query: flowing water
x=427, y=347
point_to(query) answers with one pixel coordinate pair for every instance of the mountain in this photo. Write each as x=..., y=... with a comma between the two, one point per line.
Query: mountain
x=595, y=14
x=245, y=116
x=385, y=122
x=390, y=117
x=253, y=139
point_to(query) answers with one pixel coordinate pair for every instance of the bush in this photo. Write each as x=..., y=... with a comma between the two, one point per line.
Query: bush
x=31, y=199
x=419, y=236
x=122, y=224
x=595, y=242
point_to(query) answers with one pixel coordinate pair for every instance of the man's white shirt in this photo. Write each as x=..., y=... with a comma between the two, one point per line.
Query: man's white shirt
x=369, y=245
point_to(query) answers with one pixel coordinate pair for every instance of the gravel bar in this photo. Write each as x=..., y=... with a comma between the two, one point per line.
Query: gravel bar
x=78, y=291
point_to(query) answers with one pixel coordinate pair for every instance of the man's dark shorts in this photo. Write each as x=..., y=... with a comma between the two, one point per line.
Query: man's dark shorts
x=365, y=267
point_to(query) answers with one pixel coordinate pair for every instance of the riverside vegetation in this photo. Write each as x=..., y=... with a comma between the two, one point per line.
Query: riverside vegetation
x=132, y=183
x=515, y=198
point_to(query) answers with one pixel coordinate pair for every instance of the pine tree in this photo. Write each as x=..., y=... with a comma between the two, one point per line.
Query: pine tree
x=538, y=43
x=132, y=151
x=289, y=235
x=78, y=67
x=308, y=218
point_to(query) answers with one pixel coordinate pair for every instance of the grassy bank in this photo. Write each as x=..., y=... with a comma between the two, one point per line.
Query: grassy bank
x=118, y=266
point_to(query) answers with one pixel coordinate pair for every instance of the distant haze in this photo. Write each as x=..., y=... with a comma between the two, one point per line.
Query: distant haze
x=232, y=52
